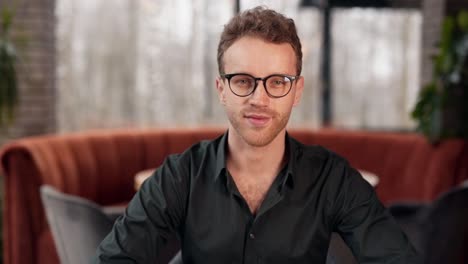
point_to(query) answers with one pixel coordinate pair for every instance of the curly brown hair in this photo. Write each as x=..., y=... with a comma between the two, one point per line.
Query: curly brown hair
x=262, y=23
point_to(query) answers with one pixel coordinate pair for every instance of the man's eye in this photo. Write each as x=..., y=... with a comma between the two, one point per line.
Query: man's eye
x=277, y=82
x=243, y=82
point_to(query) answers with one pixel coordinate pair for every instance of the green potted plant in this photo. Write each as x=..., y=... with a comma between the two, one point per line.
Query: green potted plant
x=8, y=87
x=442, y=107
x=8, y=81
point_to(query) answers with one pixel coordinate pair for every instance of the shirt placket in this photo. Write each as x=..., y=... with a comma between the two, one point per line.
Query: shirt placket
x=251, y=252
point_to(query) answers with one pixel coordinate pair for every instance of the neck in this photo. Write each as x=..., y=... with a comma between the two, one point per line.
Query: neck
x=262, y=161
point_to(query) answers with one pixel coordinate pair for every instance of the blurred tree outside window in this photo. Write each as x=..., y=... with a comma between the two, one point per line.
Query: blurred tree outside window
x=375, y=67
x=152, y=63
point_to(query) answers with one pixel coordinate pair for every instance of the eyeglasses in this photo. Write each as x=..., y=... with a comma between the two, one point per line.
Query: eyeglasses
x=276, y=85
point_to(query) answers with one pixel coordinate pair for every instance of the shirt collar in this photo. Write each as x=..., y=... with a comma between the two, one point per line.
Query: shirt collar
x=291, y=145
x=221, y=156
x=293, y=151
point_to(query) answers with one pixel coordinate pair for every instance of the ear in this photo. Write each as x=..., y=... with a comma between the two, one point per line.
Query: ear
x=221, y=90
x=299, y=89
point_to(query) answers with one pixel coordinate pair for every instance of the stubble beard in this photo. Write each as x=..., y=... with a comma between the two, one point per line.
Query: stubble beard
x=258, y=137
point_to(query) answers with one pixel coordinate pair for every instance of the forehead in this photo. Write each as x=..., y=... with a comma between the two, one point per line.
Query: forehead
x=259, y=57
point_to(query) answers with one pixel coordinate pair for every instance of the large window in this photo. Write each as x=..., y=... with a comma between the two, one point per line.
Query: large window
x=142, y=63
x=375, y=67
x=138, y=63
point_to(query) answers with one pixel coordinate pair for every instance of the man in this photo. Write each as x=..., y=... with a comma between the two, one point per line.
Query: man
x=255, y=195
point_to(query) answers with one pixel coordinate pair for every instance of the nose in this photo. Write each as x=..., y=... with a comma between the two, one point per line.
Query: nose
x=260, y=96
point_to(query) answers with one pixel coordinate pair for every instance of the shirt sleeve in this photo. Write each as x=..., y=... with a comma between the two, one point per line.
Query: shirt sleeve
x=365, y=224
x=155, y=212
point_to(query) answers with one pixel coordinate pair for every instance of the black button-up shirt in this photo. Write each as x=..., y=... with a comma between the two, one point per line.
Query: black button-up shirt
x=315, y=194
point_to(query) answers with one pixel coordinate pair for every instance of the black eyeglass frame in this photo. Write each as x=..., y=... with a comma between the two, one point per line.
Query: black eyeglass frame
x=256, y=79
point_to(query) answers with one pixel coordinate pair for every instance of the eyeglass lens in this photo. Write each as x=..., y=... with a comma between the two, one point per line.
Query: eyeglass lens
x=276, y=85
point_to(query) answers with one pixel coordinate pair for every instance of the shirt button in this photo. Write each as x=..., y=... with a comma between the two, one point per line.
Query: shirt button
x=252, y=236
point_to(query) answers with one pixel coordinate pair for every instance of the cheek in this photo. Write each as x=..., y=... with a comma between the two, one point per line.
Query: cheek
x=284, y=103
x=233, y=101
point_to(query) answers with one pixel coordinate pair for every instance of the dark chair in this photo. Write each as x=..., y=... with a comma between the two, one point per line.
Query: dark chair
x=439, y=230
x=446, y=229
x=412, y=217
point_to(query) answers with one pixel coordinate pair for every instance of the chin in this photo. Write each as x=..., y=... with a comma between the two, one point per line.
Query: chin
x=259, y=137
x=258, y=140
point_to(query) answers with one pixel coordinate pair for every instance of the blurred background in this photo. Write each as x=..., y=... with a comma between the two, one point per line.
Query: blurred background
x=125, y=63
x=71, y=66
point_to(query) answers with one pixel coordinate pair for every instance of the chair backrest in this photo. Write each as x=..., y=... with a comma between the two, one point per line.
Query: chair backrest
x=78, y=225
x=446, y=229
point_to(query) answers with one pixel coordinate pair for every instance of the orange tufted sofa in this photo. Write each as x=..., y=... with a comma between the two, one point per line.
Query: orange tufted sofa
x=100, y=166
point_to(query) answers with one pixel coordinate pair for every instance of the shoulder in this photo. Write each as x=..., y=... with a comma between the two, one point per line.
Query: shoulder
x=181, y=167
x=320, y=166
x=200, y=148
x=332, y=176
x=317, y=154
x=196, y=155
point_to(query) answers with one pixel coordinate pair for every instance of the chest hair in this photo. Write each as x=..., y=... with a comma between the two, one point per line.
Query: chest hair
x=253, y=191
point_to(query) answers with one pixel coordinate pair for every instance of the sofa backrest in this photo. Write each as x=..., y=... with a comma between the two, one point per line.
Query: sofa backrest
x=409, y=167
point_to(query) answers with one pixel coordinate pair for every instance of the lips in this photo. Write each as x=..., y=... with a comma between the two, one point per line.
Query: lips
x=257, y=120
